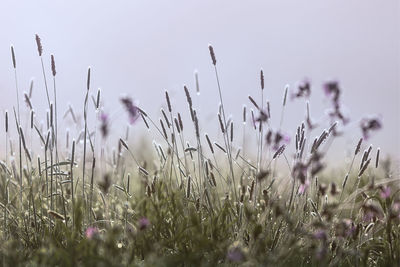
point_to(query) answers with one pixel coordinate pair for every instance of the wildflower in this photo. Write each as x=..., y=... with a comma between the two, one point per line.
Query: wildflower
x=345, y=228
x=320, y=253
x=369, y=125
x=303, y=89
x=385, y=192
x=276, y=139
x=104, y=124
x=371, y=212
x=91, y=232
x=331, y=89
x=303, y=187
x=320, y=234
x=235, y=254
x=395, y=210
x=300, y=172
x=143, y=223
x=131, y=108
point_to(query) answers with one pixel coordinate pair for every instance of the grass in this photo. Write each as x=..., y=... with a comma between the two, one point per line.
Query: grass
x=195, y=201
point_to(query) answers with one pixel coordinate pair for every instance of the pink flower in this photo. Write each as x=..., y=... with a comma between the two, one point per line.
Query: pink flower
x=385, y=192
x=91, y=232
x=303, y=187
x=143, y=223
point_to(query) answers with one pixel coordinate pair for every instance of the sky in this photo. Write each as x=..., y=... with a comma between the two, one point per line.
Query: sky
x=142, y=48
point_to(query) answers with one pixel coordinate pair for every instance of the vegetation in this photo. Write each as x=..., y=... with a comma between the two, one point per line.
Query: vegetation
x=195, y=202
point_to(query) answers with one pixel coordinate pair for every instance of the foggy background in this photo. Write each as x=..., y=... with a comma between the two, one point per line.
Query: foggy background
x=142, y=48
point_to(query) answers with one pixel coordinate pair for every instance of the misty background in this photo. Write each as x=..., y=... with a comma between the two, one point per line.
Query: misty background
x=142, y=48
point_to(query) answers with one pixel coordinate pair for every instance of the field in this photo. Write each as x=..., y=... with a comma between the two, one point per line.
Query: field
x=69, y=199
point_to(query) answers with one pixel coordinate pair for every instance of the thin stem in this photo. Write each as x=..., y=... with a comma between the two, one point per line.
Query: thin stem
x=226, y=134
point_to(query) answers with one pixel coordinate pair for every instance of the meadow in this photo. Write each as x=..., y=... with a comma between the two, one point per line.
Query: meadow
x=67, y=198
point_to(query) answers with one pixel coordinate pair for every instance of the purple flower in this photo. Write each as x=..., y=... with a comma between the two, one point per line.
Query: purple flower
x=143, y=223
x=131, y=108
x=320, y=234
x=91, y=232
x=235, y=255
x=345, y=228
x=395, y=210
x=371, y=212
x=385, y=192
x=331, y=89
x=276, y=139
x=369, y=125
x=303, y=89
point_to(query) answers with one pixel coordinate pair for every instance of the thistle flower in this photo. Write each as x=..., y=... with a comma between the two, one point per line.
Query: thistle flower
x=131, y=108
x=143, y=223
x=91, y=232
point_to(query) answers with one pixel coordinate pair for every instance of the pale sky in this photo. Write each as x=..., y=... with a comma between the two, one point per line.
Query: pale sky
x=142, y=48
